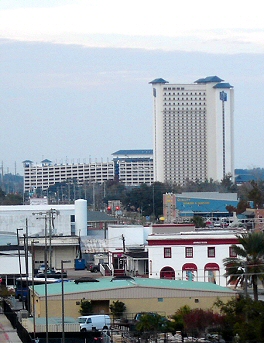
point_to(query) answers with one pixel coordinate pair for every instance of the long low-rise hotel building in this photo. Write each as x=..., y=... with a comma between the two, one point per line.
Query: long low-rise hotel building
x=131, y=167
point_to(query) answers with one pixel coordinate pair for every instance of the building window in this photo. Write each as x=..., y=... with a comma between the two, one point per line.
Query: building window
x=189, y=252
x=232, y=252
x=211, y=252
x=167, y=252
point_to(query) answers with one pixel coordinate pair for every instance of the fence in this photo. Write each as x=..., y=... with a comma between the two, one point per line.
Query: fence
x=12, y=317
x=68, y=327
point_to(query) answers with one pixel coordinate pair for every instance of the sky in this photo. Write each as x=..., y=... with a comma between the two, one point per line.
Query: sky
x=74, y=75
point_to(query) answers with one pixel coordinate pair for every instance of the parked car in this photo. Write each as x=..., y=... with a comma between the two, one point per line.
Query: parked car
x=41, y=268
x=52, y=273
x=93, y=268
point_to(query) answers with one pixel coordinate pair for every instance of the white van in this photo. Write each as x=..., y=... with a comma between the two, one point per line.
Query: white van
x=94, y=322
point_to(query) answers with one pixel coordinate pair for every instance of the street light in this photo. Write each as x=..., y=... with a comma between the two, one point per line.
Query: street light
x=62, y=300
x=20, y=271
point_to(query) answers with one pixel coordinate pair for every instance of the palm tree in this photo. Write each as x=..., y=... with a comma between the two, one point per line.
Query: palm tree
x=250, y=260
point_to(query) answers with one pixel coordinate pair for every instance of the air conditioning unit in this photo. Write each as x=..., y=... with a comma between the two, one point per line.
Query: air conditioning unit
x=22, y=314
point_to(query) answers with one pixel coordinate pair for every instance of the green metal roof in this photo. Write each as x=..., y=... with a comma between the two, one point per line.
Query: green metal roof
x=160, y=80
x=209, y=79
x=106, y=283
x=223, y=85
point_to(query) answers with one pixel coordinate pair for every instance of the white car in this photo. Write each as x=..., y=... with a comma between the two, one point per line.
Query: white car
x=41, y=268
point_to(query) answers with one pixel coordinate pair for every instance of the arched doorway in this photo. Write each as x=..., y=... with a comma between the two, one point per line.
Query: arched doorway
x=189, y=272
x=167, y=273
x=211, y=273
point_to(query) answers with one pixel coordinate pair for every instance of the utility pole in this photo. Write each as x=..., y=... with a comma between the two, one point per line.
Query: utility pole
x=51, y=226
x=46, y=286
x=26, y=247
x=124, y=251
x=47, y=217
x=33, y=242
x=26, y=259
x=153, y=202
x=20, y=269
x=124, y=244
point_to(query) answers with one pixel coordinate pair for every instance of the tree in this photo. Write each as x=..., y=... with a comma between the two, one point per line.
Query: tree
x=242, y=316
x=114, y=190
x=227, y=184
x=4, y=291
x=250, y=260
x=86, y=308
x=150, y=324
x=13, y=199
x=178, y=318
x=197, y=321
x=256, y=194
x=117, y=308
x=242, y=206
x=2, y=195
x=198, y=221
x=231, y=209
x=10, y=198
x=145, y=198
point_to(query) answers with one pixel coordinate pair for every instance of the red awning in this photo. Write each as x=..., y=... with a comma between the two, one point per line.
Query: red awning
x=211, y=266
x=189, y=266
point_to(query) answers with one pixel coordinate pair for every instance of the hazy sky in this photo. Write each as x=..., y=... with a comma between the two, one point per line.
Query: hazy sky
x=74, y=74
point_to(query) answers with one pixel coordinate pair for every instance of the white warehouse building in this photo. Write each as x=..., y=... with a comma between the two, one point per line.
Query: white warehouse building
x=62, y=220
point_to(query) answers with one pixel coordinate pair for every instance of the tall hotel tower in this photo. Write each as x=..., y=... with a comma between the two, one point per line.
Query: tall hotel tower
x=193, y=130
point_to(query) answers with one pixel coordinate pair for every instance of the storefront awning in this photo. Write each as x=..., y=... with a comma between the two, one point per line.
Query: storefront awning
x=211, y=266
x=189, y=266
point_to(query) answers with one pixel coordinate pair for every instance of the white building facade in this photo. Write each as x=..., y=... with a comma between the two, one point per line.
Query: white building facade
x=46, y=173
x=58, y=220
x=192, y=256
x=193, y=130
x=134, y=167
x=131, y=167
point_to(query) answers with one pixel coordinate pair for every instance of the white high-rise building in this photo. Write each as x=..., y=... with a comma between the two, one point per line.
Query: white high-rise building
x=193, y=130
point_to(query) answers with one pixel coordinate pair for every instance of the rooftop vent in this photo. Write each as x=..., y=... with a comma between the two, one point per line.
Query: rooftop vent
x=122, y=277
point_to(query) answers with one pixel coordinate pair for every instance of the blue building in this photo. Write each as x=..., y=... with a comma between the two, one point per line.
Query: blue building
x=247, y=175
x=205, y=204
